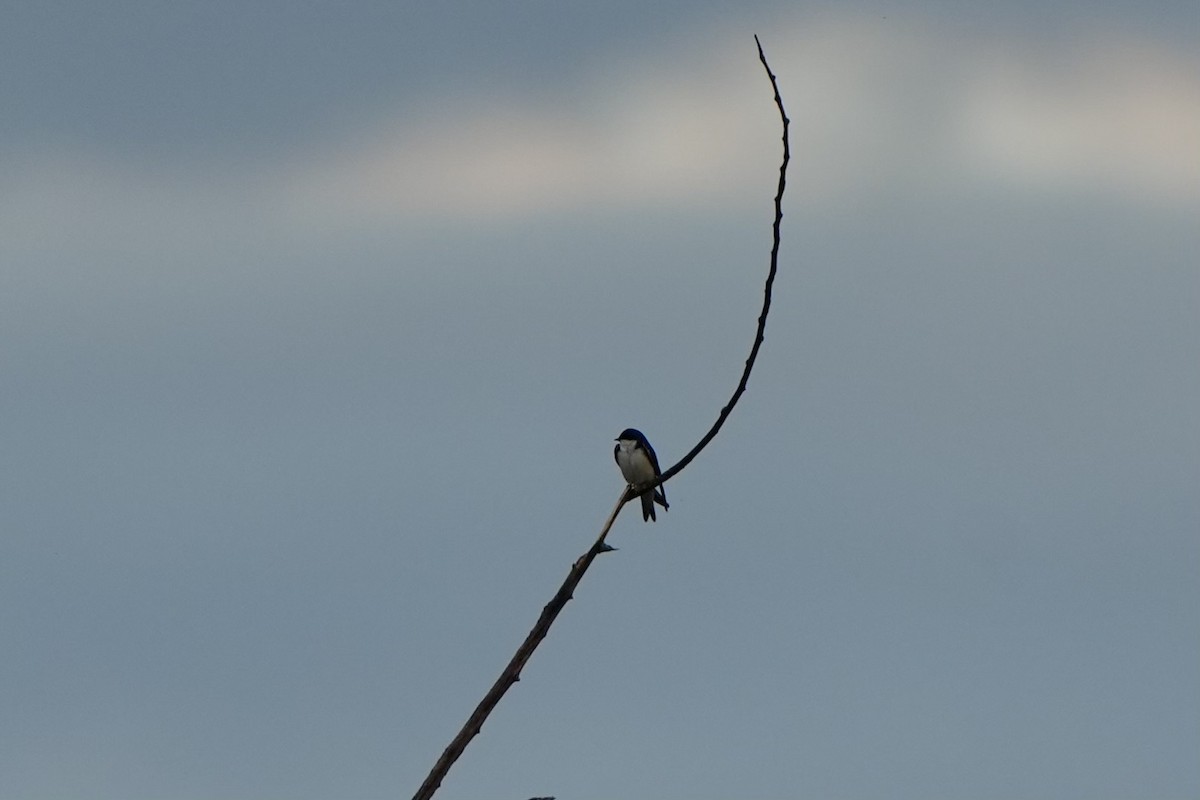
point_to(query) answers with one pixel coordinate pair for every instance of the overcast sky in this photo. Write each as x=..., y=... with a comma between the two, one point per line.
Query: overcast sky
x=317, y=322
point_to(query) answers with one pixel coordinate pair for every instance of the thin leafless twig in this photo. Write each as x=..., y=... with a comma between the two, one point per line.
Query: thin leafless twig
x=512, y=672
x=767, y=287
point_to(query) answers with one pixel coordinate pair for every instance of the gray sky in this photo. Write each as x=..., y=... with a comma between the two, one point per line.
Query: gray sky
x=317, y=322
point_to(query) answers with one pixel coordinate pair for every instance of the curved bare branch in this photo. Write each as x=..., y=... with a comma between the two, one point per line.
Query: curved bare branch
x=760, y=333
x=512, y=672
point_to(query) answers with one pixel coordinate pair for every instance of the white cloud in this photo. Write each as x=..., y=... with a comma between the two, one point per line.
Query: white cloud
x=671, y=134
x=876, y=107
x=1118, y=116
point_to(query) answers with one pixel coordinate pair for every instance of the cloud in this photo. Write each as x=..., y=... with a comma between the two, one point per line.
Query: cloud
x=671, y=134
x=1117, y=116
x=876, y=107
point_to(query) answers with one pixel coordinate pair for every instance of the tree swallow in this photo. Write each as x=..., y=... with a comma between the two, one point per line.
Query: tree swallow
x=639, y=465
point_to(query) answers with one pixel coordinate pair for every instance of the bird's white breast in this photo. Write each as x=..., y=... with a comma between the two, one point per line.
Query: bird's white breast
x=634, y=463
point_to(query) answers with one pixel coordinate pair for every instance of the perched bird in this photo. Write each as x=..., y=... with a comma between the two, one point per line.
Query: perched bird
x=639, y=465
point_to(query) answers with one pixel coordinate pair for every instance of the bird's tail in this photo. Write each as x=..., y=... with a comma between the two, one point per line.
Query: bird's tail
x=648, y=501
x=648, y=506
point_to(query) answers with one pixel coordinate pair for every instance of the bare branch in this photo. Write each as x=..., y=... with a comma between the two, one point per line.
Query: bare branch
x=760, y=334
x=512, y=672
